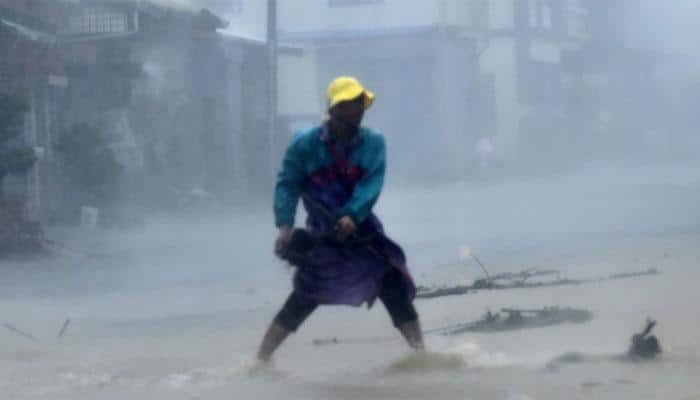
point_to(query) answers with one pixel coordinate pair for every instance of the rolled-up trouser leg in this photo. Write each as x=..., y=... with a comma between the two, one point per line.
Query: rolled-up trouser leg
x=396, y=300
x=294, y=312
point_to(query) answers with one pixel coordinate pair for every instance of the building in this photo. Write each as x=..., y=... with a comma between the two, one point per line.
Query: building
x=642, y=55
x=578, y=80
x=180, y=100
x=523, y=61
x=30, y=65
x=200, y=103
x=173, y=93
x=421, y=60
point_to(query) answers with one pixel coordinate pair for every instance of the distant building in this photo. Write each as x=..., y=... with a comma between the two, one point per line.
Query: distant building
x=614, y=85
x=523, y=61
x=421, y=59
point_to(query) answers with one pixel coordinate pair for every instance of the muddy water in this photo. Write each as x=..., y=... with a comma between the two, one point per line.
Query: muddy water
x=175, y=311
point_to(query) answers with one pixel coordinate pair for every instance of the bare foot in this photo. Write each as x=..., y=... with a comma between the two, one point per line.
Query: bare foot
x=260, y=368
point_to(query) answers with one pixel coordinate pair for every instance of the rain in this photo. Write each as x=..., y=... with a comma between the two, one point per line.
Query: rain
x=542, y=179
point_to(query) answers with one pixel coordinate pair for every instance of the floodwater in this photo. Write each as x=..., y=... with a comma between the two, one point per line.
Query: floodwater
x=175, y=309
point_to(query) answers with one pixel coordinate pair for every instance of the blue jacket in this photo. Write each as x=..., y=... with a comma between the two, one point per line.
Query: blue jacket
x=346, y=180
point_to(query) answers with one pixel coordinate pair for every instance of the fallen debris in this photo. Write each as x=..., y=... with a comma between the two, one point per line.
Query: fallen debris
x=519, y=280
x=19, y=332
x=514, y=319
x=650, y=271
x=63, y=328
x=335, y=340
x=643, y=347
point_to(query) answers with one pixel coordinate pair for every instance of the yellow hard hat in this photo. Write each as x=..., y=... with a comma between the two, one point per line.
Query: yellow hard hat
x=345, y=88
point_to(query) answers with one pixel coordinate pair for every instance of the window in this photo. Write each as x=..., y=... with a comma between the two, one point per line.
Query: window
x=95, y=20
x=341, y=3
x=576, y=19
x=540, y=14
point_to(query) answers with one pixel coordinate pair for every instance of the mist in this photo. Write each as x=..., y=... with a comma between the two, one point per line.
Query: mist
x=137, y=241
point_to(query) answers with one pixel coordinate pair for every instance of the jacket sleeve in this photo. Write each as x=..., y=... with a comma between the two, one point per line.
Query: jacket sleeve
x=288, y=187
x=368, y=189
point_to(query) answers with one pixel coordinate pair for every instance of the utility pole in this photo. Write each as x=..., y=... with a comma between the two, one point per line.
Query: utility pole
x=272, y=82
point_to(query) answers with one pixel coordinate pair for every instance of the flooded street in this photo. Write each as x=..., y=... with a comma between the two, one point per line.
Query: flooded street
x=174, y=310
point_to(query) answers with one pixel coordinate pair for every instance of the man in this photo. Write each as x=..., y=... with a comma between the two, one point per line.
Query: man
x=337, y=169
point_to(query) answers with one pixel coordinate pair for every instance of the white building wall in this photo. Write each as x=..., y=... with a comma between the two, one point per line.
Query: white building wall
x=451, y=82
x=469, y=14
x=545, y=51
x=576, y=15
x=313, y=16
x=501, y=14
x=298, y=89
x=499, y=59
x=248, y=18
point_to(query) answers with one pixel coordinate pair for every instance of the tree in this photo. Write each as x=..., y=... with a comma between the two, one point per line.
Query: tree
x=13, y=159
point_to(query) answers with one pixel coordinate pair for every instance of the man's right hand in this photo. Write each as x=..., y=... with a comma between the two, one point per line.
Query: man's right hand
x=283, y=238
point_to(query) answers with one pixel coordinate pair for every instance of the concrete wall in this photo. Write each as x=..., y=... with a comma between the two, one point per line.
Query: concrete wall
x=576, y=19
x=313, y=16
x=545, y=51
x=298, y=88
x=499, y=59
x=501, y=14
x=508, y=66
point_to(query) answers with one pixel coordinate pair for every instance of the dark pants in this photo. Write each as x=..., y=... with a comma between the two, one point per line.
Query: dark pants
x=392, y=294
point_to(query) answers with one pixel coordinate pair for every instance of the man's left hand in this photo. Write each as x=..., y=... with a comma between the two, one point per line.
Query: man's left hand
x=345, y=228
